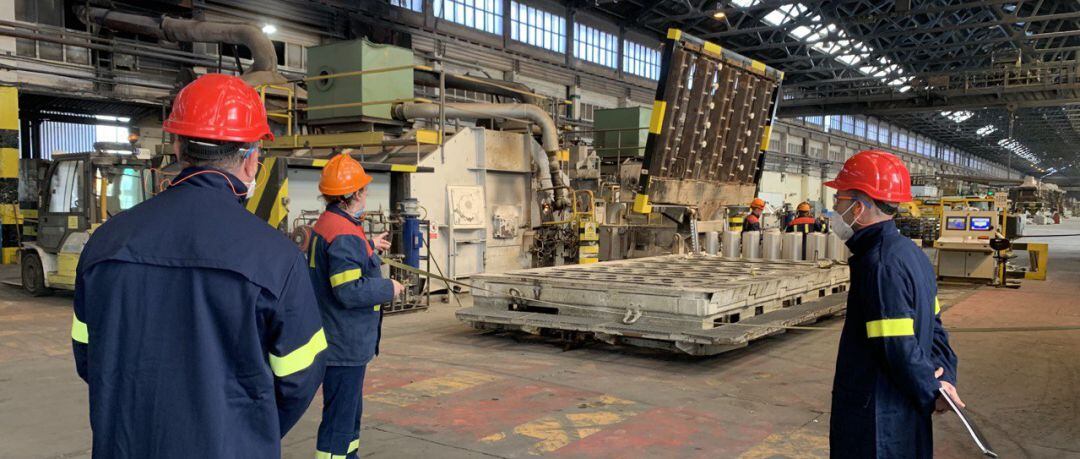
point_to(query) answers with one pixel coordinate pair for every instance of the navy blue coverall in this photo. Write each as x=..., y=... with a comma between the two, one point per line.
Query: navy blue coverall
x=195, y=327
x=892, y=342
x=350, y=288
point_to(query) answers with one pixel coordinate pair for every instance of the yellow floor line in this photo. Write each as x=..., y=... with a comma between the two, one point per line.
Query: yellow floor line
x=431, y=388
x=801, y=443
x=559, y=430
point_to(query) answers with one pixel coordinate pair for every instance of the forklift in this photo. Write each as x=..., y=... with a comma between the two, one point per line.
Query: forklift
x=79, y=192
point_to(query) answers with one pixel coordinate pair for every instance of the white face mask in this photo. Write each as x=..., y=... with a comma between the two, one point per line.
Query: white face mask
x=838, y=225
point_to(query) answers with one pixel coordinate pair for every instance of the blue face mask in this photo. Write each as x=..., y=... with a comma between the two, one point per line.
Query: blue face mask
x=359, y=214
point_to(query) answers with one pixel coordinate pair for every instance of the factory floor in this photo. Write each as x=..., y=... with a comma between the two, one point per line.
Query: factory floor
x=441, y=389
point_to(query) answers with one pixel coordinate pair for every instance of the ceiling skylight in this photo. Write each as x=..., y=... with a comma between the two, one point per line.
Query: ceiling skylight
x=830, y=39
x=958, y=116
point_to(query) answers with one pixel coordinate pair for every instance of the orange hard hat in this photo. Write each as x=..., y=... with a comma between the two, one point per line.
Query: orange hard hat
x=757, y=203
x=219, y=107
x=803, y=207
x=343, y=175
x=880, y=175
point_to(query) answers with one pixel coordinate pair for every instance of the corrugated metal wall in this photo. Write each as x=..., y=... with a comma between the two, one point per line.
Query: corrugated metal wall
x=66, y=137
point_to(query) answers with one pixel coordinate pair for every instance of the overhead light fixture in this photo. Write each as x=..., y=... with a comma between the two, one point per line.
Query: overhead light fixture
x=269, y=29
x=719, y=15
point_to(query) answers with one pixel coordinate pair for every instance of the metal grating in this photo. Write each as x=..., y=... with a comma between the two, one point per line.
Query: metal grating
x=711, y=111
x=687, y=303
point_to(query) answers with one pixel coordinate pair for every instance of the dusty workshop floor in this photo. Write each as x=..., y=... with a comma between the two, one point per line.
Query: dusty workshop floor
x=442, y=390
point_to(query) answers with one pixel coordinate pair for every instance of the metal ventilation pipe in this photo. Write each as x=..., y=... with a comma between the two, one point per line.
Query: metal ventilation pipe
x=548, y=165
x=508, y=89
x=263, y=69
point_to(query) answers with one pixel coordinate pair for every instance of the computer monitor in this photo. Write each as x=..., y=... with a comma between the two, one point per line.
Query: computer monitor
x=980, y=224
x=956, y=223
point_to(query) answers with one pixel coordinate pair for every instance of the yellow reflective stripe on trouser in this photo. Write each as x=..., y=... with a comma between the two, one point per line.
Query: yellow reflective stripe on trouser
x=78, y=330
x=937, y=306
x=345, y=276
x=890, y=327
x=353, y=446
x=299, y=359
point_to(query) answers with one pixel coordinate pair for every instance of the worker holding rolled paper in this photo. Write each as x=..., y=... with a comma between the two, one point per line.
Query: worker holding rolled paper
x=894, y=354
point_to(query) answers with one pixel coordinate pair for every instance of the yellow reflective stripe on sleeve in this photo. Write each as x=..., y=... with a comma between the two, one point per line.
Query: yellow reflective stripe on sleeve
x=299, y=359
x=326, y=455
x=890, y=327
x=378, y=307
x=78, y=330
x=937, y=306
x=355, y=445
x=345, y=276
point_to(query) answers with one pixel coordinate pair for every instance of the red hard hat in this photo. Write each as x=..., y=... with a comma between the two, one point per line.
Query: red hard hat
x=219, y=107
x=880, y=175
x=343, y=175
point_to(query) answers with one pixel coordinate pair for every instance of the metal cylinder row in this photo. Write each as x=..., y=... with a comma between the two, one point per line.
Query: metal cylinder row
x=776, y=246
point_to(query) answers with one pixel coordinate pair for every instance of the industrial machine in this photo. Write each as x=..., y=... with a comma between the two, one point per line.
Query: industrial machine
x=80, y=192
x=1037, y=200
x=286, y=196
x=964, y=250
x=653, y=287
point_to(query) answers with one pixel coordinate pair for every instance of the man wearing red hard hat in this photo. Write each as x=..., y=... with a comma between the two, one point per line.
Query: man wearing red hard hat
x=196, y=326
x=894, y=354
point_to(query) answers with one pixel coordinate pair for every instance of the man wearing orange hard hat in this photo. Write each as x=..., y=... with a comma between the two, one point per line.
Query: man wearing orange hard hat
x=196, y=326
x=349, y=285
x=753, y=219
x=803, y=221
x=894, y=363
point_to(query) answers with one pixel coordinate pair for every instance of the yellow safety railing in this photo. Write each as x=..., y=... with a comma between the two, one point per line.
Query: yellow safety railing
x=286, y=114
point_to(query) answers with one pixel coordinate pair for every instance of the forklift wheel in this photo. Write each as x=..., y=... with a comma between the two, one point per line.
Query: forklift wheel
x=33, y=276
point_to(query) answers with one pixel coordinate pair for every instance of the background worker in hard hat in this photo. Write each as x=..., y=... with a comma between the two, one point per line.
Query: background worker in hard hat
x=753, y=219
x=803, y=222
x=894, y=354
x=195, y=324
x=345, y=271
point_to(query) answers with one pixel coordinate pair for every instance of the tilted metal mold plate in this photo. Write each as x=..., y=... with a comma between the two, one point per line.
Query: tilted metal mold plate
x=711, y=119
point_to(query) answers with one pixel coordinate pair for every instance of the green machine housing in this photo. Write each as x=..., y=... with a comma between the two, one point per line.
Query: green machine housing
x=352, y=56
x=632, y=131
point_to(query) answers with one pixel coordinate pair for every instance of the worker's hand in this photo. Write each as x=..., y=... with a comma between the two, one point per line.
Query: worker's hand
x=398, y=288
x=937, y=373
x=382, y=242
x=943, y=405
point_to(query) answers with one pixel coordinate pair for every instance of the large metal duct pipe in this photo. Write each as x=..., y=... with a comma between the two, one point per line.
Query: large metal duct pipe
x=263, y=69
x=509, y=89
x=548, y=165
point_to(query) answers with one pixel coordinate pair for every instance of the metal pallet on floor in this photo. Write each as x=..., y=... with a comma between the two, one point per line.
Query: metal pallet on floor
x=701, y=305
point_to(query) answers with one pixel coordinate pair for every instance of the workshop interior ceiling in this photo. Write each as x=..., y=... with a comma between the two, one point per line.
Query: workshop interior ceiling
x=953, y=70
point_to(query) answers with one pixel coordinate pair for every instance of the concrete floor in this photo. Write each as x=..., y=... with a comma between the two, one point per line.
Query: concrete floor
x=441, y=389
